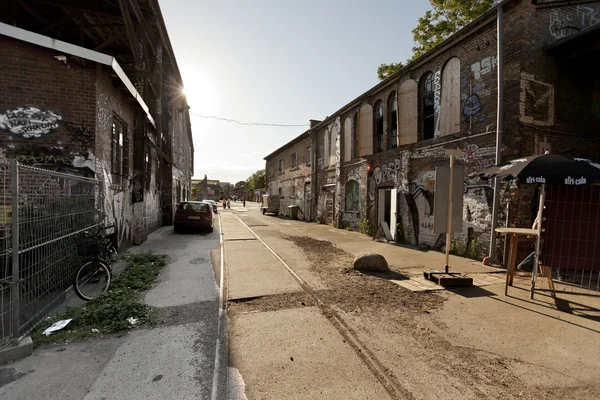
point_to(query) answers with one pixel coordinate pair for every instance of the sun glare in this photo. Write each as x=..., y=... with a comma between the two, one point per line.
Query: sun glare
x=200, y=91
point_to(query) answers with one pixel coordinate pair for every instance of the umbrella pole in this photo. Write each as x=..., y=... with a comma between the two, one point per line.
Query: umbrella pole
x=538, y=239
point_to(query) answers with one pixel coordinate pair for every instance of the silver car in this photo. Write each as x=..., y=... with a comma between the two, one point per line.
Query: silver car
x=214, y=205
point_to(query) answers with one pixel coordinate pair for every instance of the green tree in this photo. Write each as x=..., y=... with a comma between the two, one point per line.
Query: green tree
x=444, y=19
x=256, y=181
x=386, y=70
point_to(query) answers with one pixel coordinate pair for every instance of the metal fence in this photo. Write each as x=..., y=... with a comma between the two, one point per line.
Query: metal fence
x=571, y=238
x=39, y=242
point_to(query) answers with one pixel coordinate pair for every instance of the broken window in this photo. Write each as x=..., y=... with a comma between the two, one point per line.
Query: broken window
x=355, y=136
x=427, y=107
x=393, y=122
x=379, y=126
x=120, y=152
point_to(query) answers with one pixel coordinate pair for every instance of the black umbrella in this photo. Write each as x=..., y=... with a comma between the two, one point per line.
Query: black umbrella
x=550, y=169
x=545, y=169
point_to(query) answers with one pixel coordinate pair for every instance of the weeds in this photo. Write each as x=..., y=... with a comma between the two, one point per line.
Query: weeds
x=364, y=227
x=112, y=311
x=474, y=250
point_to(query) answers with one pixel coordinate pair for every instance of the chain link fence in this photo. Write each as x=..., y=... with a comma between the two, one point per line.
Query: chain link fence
x=53, y=210
x=6, y=332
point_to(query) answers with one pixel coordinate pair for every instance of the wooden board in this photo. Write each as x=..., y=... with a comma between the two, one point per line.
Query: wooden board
x=365, y=131
x=347, y=140
x=450, y=98
x=408, y=112
x=385, y=230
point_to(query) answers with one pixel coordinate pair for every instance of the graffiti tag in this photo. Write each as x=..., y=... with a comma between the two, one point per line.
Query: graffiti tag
x=484, y=66
x=29, y=122
x=437, y=101
x=387, y=172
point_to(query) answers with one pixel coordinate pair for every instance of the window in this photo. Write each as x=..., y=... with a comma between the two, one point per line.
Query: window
x=294, y=160
x=148, y=163
x=352, y=196
x=379, y=126
x=308, y=155
x=120, y=151
x=280, y=165
x=393, y=123
x=355, y=136
x=427, y=107
x=280, y=192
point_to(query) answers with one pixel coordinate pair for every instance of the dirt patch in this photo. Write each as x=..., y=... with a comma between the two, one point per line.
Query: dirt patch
x=400, y=328
x=351, y=290
x=270, y=303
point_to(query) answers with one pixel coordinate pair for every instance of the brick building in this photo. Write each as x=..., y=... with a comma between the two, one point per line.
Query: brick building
x=94, y=90
x=375, y=157
x=288, y=175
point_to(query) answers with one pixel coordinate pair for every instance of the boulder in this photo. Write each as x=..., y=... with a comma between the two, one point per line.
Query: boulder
x=371, y=262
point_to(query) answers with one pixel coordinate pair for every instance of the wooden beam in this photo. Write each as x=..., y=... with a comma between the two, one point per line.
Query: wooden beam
x=143, y=25
x=32, y=11
x=75, y=7
x=131, y=36
x=56, y=24
x=108, y=42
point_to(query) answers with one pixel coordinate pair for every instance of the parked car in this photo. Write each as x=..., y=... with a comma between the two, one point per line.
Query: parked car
x=214, y=205
x=193, y=214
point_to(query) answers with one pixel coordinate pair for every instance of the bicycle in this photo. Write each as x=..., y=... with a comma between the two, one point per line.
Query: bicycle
x=93, y=277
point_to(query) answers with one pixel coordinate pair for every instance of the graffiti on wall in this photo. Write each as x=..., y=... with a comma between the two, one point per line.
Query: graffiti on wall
x=536, y=101
x=437, y=101
x=338, y=170
x=569, y=20
x=387, y=172
x=29, y=122
x=483, y=67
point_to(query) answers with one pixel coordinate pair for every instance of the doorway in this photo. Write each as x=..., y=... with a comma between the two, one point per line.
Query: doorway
x=386, y=209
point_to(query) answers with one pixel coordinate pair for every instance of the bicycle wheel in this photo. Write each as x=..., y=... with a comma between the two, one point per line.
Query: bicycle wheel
x=92, y=279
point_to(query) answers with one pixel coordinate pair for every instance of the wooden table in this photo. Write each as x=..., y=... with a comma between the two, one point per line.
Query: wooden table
x=516, y=236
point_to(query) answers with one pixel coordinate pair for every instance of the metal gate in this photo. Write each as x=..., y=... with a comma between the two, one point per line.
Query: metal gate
x=43, y=214
x=571, y=237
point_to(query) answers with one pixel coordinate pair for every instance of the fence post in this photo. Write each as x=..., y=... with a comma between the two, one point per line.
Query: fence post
x=15, y=290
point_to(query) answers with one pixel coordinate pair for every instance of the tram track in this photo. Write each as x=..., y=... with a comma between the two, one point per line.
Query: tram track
x=368, y=358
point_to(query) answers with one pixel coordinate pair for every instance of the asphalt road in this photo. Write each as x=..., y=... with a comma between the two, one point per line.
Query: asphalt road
x=173, y=361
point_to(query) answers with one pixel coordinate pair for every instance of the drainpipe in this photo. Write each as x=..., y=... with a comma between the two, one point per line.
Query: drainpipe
x=499, y=123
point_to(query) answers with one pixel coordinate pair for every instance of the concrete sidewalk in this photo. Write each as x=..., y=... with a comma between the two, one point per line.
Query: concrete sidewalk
x=173, y=361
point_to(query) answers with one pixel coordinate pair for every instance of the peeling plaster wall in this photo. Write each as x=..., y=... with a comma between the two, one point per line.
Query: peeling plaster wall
x=294, y=181
x=118, y=205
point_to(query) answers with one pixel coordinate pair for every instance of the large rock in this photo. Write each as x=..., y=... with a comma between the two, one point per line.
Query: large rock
x=371, y=262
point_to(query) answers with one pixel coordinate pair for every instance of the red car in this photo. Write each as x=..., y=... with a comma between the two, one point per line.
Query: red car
x=193, y=214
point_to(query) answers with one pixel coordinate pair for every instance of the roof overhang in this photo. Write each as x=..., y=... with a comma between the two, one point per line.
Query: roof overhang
x=77, y=51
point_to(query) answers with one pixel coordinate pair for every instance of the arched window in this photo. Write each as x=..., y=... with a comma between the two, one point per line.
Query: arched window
x=393, y=121
x=347, y=139
x=352, y=196
x=379, y=126
x=355, y=135
x=426, y=103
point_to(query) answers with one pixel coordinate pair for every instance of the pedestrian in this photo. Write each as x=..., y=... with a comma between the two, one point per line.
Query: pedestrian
x=224, y=203
x=244, y=201
x=228, y=204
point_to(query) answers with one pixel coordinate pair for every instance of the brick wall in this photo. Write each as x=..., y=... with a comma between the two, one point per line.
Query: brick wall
x=292, y=181
x=110, y=103
x=32, y=78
